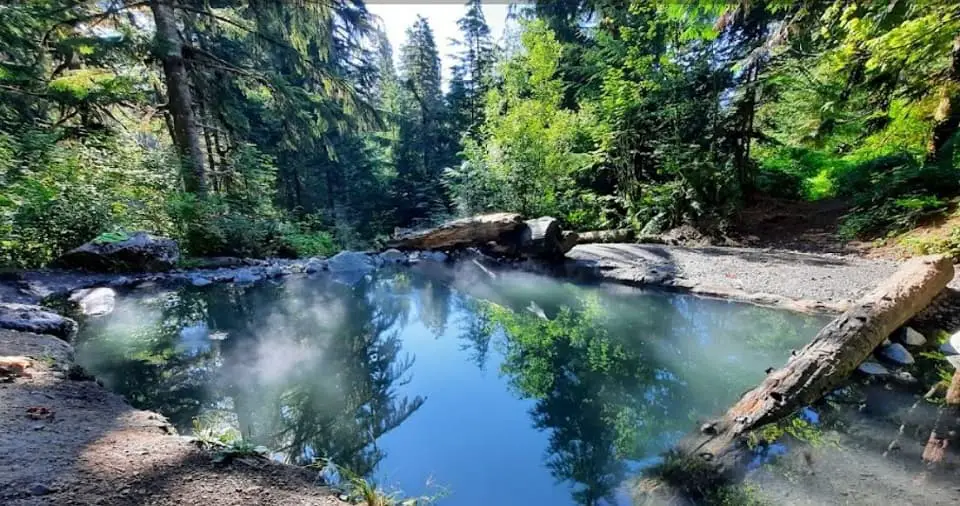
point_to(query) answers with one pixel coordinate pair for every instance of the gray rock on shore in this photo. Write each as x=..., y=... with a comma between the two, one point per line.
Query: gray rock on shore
x=896, y=353
x=140, y=252
x=36, y=319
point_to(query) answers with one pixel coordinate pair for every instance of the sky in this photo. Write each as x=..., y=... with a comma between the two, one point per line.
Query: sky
x=398, y=16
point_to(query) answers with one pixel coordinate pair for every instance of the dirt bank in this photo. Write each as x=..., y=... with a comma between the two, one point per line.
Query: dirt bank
x=67, y=440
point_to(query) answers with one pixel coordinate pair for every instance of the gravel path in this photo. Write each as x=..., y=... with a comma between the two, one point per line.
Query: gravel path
x=797, y=281
x=70, y=441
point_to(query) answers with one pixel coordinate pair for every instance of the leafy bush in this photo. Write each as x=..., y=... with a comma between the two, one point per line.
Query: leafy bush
x=894, y=193
x=309, y=244
x=56, y=194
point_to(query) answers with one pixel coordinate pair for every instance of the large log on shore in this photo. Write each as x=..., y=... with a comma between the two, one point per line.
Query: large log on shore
x=820, y=367
x=473, y=231
x=606, y=236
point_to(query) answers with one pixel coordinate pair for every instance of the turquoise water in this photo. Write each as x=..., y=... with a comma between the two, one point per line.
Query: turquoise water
x=518, y=389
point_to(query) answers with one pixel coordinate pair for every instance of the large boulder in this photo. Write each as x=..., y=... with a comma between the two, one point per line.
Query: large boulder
x=36, y=319
x=139, y=252
x=462, y=233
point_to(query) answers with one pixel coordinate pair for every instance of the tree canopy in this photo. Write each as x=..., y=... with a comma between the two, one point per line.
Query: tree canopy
x=273, y=128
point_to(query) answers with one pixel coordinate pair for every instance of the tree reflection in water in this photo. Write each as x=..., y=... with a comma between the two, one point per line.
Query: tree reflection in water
x=314, y=368
x=307, y=367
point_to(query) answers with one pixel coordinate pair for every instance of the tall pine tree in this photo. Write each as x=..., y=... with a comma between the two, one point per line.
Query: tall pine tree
x=473, y=64
x=423, y=145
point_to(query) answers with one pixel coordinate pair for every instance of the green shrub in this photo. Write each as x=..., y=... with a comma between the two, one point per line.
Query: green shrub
x=894, y=193
x=309, y=244
x=56, y=194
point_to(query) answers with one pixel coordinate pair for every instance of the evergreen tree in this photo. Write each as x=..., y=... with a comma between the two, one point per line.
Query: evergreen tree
x=423, y=144
x=472, y=68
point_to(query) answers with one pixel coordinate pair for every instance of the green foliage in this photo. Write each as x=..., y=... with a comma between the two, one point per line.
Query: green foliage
x=111, y=237
x=895, y=193
x=56, y=194
x=360, y=490
x=530, y=149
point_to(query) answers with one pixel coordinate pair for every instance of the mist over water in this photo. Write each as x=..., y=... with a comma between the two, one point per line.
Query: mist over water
x=501, y=389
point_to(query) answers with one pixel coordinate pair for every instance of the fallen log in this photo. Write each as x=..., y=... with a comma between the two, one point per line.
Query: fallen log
x=543, y=240
x=606, y=236
x=719, y=448
x=476, y=230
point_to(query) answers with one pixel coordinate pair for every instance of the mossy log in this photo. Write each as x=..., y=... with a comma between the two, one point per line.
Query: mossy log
x=820, y=367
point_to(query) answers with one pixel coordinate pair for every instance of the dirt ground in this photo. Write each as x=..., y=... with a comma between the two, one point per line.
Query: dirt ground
x=69, y=441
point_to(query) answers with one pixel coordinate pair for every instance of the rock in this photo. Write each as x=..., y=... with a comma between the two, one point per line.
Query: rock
x=275, y=271
x=473, y=231
x=351, y=261
x=430, y=256
x=904, y=378
x=36, y=319
x=198, y=280
x=40, y=489
x=872, y=368
x=95, y=301
x=896, y=353
x=393, y=256
x=314, y=265
x=952, y=346
x=911, y=337
x=245, y=276
x=140, y=252
x=218, y=262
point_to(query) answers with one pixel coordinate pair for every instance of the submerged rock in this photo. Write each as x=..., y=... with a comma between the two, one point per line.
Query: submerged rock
x=140, y=252
x=351, y=261
x=95, y=301
x=896, y=353
x=911, y=337
x=872, y=368
x=245, y=276
x=198, y=280
x=36, y=319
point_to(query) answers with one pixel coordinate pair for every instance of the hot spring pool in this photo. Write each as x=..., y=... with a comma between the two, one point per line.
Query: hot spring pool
x=520, y=390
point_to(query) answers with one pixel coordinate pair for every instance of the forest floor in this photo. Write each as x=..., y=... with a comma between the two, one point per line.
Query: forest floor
x=68, y=441
x=813, y=227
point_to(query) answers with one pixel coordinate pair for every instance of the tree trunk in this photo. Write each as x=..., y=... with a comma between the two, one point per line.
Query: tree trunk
x=946, y=119
x=186, y=132
x=819, y=368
